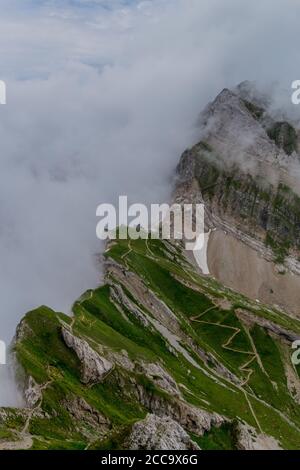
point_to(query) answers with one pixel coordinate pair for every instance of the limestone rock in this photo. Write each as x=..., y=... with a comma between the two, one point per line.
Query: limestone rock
x=32, y=393
x=192, y=419
x=156, y=433
x=94, y=367
x=90, y=421
x=249, y=439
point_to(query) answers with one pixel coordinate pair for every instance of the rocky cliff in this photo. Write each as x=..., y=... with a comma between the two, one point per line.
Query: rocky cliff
x=245, y=169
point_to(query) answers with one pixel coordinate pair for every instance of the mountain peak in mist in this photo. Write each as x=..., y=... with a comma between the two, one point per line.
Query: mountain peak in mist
x=246, y=171
x=242, y=132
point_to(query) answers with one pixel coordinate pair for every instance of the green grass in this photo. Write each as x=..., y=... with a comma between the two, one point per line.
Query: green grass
x=222, y=438
x=163, y=269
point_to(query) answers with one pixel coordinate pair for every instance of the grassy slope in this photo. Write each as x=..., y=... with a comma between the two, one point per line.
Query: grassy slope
x=263, y=401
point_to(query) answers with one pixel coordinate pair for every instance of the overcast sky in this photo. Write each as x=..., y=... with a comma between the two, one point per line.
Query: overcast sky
x=103, y=97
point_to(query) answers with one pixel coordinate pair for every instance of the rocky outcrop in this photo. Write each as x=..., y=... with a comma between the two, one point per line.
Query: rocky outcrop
x=116, y=274
x=277, y=330
x=32, y=393
x=243, y=173
x=192, y=419
x=121, y=300
x=160, y=377
x=94, y=368
x=237, y=129
x=87, y=416
x=249, y=439
x=156, y=433
x=24, y=443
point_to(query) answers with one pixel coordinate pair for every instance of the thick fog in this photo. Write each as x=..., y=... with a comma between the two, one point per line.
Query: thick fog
x=102, y=98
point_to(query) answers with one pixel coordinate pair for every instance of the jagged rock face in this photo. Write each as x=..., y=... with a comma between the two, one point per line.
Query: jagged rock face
x=119, y=297
x=156, y=433
x=94, y=367
x=160, y=311
x=197, y=421
x=243, y=171
x=91, y=420
x=243, y=175
x=260, y=99
x=249, y=439
x=160, y=377
x=81, y=410
x=288, y=336
x=237, y=200
x=192, y=419
x=32, y=393
x=231, y=129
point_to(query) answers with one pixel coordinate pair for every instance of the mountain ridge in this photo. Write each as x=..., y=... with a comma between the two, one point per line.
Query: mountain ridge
x=90, y=378
x=161, y=356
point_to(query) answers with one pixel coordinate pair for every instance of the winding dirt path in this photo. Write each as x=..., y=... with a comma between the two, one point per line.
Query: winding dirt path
x=226, y=345
x=244, y=367
x=24, y=440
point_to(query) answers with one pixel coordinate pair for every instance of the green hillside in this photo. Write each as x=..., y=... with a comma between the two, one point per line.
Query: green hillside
x=215, y=350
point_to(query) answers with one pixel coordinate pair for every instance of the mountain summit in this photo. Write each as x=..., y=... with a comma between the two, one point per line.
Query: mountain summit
x=245, y=169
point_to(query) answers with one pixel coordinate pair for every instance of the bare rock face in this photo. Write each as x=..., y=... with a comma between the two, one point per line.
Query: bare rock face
x=81, y=410
x=237, y=135
x=139, y=290
x=32, y=393
x=273, y=328
x=89, y=419
x=160, y=377
x=94, y=367
x=243, y=170
x=196, y=420
x=119, y=298
x=156, y=433
x=189, y=417
x=249, y=439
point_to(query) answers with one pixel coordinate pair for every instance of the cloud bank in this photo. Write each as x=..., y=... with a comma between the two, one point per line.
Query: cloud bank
x=103, y=97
